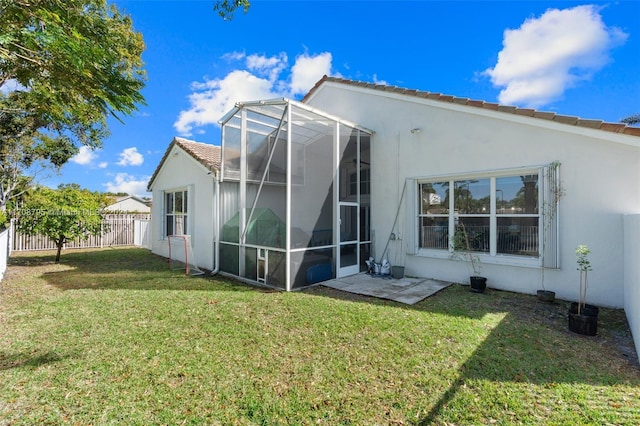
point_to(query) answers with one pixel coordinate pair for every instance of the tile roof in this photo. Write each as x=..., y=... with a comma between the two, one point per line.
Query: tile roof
x=206, y=154
x=565, y=119
x=210, y=156
x=132, y=197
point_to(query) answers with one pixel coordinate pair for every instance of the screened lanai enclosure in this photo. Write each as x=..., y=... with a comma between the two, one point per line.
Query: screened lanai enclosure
x=294, y=195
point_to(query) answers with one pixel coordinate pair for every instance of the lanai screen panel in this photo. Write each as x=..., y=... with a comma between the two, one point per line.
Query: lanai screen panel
x=230, y=197
x=266, y=178
x=253, y=243
x=312, y=198
x=280, y=156
x=231, y=148
x=266, y=201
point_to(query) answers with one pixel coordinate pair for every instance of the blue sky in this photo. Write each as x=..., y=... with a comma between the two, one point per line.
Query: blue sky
x=573, y=58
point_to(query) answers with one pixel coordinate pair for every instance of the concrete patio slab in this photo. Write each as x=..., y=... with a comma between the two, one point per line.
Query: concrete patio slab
x=404, y=290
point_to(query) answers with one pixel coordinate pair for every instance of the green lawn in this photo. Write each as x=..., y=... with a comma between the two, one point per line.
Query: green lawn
x=112, y=336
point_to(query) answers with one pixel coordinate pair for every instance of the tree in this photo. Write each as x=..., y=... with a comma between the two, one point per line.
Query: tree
x=226, y=8
x=63, y=214
x=631, y=120
x=65, y=67
x=22, y=187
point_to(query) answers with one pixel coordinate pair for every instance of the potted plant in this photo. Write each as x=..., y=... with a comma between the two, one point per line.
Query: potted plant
x=583, y=318
x=461, y=248
x=549, y=209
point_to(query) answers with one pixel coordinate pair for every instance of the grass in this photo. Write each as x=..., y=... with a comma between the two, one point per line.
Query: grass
x=112, y=336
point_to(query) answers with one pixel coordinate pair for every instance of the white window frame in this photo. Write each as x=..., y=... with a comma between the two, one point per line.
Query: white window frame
x=492, y=257
x=186, y=213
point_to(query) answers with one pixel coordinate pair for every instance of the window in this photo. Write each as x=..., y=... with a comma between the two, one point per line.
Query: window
x=501, y=212
x=365, y=182
x=517, y=215
x=175, y=207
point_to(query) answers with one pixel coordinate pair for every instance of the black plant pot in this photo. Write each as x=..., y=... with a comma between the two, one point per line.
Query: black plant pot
x=585, y=323
x=587, y=310
x=478, y=284
x=546, y=296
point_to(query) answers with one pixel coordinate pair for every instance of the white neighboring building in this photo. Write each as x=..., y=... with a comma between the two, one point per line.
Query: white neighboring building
x=129, y=204
x=183, y=188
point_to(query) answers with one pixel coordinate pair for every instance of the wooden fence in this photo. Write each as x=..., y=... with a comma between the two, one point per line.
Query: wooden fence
x=118, y=230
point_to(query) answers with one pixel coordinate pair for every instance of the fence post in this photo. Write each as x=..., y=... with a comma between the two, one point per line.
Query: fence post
x=12, y=235
x=4, y=253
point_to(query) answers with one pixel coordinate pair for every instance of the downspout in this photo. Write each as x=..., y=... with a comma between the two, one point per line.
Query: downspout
x=215, y=209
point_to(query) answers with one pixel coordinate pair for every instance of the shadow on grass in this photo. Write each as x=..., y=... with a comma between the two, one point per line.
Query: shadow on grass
x=10, y=361
x=537, y=348
x=128, y=268
x=100, y=260
x=530, y=344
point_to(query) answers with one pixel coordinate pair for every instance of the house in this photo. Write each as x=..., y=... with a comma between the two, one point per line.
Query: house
x=129, y=204
x=502, y=165
x=183, y=187
x=301, y=192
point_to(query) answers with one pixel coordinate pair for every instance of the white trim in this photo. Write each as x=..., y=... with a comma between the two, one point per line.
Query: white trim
x=287, y=245
x=411, y=234
x=284, y=101
x=163, y=223
x=492, y=257
x=345, y=271
x=478, y=174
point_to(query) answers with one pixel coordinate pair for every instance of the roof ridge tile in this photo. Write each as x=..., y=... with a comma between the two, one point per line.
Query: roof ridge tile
x=510, y=109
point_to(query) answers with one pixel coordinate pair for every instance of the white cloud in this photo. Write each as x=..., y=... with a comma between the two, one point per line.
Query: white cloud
x=262, y=79
x=124, y=182
x=308, y=70
x=270, y=67
x=84, y=157
x=234, y=56
x=103, y=165
x=130, y=157
x=550, y=54
x=214, y=98
x=377, y=81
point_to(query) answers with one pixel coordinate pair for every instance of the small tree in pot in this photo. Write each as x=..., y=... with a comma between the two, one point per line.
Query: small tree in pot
x=462, y=249
x=583, y=318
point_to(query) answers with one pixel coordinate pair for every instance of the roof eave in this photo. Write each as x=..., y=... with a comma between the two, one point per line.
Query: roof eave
x=577, y=122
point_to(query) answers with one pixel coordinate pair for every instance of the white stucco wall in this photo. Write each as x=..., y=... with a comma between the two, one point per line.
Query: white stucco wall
x=600, y=173
x=179, y=172
x=632, y=275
